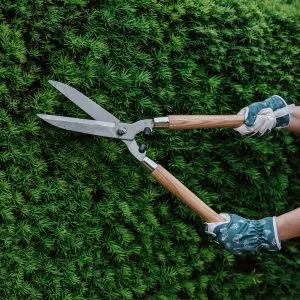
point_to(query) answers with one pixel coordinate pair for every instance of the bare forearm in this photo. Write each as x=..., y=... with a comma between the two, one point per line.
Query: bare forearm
x=295, y=121
x=288, y=225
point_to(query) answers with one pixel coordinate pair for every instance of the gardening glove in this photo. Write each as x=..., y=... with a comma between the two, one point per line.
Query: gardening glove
x=239, y=235
x=261, y=117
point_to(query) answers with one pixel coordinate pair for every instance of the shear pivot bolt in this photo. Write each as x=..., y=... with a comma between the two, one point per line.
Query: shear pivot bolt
x=122, y=131
x=142, y=148
x=147, y=131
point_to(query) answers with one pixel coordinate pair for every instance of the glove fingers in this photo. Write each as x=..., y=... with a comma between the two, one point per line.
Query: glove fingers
x=266, y=124
x=210, y=227
x=243, y=130
x=265, y=121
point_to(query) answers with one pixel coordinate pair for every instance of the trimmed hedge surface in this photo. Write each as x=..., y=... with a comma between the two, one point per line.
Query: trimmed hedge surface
x=79, y=217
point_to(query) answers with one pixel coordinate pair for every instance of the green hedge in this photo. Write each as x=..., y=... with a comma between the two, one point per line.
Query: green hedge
x=79, y=217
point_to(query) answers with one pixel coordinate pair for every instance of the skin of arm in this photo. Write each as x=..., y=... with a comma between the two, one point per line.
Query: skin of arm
x=288, y=225
x=295, y=121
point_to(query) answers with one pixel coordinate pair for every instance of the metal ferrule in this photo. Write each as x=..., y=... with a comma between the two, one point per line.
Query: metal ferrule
x=161, y=122
x=149, y=164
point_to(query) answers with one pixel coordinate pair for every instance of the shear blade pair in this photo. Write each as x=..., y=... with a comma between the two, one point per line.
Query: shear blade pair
x=104, y=123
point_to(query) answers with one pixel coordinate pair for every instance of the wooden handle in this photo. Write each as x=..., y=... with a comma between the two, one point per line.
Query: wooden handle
x=172, y=184
x=204, y=121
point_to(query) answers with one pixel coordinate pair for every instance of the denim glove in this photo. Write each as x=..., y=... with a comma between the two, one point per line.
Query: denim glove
x=261, y=117
x=239, y=235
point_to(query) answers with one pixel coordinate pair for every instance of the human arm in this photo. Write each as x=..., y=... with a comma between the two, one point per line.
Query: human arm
x=294, y=124
x=288, y=225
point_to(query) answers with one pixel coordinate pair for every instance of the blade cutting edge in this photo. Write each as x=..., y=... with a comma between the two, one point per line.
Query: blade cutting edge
x=92, y=127
x=82, y=101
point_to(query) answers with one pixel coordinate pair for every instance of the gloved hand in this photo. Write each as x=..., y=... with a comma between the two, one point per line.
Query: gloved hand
x=240, y=235
x=266, y=115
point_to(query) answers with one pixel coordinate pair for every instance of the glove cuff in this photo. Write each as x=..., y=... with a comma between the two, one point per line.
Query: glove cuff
x=268, y=235
x=281, y=109
x=278, y=242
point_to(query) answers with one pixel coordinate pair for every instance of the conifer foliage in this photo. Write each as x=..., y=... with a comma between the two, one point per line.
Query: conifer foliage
x=79, y=217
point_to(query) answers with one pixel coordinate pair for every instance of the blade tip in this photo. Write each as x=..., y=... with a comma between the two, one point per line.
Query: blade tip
x=52, y=82
x=42, y=116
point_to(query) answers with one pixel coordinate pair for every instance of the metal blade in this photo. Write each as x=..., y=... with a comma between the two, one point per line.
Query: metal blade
x=93, y=127
x=86, y=104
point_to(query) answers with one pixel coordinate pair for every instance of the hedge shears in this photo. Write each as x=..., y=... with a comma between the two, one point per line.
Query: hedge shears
x=107, y=125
